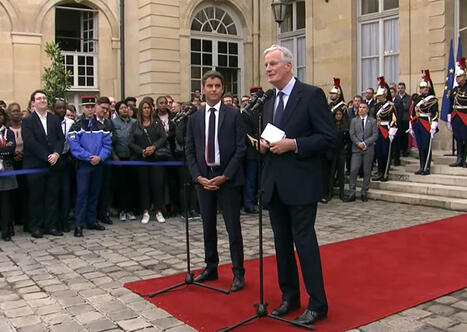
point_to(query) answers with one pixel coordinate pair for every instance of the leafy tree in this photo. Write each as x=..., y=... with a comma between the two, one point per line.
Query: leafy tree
x=56, y=78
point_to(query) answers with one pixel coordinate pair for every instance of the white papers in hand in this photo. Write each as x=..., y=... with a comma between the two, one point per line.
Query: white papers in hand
x=272, y=134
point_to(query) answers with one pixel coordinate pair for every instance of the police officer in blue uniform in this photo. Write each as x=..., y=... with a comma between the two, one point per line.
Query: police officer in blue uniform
x=90, y=143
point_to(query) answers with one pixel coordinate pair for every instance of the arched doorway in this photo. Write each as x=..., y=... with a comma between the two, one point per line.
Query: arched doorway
x=216, y=44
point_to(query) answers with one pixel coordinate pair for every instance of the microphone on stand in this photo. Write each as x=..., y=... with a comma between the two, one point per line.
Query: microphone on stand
x=252, y=102
x=268, y=94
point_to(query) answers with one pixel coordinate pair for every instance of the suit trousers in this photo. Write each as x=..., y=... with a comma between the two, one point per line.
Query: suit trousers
x=88, y=183
x=105, y=194
x=296, y=224
x=229, y=199
x=360, y=158
x=64, y=202
x=6, y=223
x=43, y=200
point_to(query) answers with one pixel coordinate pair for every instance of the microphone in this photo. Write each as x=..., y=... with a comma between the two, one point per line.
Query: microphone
x=252, y=101
x=262, y=99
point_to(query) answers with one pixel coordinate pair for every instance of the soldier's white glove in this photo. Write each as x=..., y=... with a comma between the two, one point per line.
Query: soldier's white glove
x=410, y=130
x=434, y=126
x=449, y=122
x=392, y=133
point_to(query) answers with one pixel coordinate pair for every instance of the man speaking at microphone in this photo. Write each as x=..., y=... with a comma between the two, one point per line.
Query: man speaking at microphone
x=215, y=147
x=293, y=180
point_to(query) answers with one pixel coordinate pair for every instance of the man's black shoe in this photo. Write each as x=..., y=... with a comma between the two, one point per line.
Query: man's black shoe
x=96, y=226
x=106, y=220
x=207, y=275
x=364, y=198
x=350, y=198
x=285, y=308
x=419, y=172
x=253, y=210
x=192, y=215
x=427, y=172
x=377, y=177
x=6, y=237
x=54, y=232
x=384, y=179
x=309, y=317
x=324, y=200
x=237, y=284
x=36, y=234
x=78, y=231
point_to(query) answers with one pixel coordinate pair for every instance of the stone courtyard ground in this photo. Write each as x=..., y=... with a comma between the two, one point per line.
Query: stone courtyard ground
x=76, y=284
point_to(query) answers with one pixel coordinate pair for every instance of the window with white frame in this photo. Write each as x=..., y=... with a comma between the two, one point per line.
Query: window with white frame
x=215, y=44
x=291, y=34
x=378, y=41
x=461, y=23
x=75, y=31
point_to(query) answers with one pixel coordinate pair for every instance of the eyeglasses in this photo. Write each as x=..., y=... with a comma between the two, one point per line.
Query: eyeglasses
x=40, y=98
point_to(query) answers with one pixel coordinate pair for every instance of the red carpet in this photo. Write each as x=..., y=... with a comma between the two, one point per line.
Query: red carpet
x=366, y=279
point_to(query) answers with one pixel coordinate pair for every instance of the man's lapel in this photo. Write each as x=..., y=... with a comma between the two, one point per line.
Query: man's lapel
x=268, y=110
x=221, y=118
x=202, y=126
x=292, y=102
x=39, y=123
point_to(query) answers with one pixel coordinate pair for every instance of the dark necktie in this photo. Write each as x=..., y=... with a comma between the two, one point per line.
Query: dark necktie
x=210, y=151
x=363, y=129
x=279, y=110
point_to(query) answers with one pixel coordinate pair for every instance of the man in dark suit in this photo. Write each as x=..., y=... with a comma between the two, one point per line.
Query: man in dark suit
x=215, y=148
x=403, y=120
x=293, y=181
x=399, y=107
x=363, y=134
x=370, y=100
x=43, y=144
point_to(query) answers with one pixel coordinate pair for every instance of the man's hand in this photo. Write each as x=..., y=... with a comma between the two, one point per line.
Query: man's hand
x=18, y=156
x=207, y=183
x=52, y=158
x=283, y=146
x=115, y=157
x=263, y=146
x=361, y=146
x=218, y=181
x=95, y=160
x=150, y=150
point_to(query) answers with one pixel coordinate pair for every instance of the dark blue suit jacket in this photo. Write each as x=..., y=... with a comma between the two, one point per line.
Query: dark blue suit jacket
x=299, y=177
x=231, y=136
x=38, y=145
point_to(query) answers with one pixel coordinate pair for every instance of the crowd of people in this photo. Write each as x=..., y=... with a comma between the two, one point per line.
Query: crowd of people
x=63, y=140
x=379, y=128
x=79, y=189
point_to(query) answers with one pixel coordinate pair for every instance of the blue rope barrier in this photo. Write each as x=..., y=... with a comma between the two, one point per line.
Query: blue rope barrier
x=109, y=162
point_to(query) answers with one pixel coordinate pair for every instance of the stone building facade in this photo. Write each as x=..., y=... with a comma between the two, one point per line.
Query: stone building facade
x=168, y=44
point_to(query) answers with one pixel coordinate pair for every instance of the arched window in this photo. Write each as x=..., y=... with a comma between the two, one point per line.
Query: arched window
x=213, y=19
x=216, y=44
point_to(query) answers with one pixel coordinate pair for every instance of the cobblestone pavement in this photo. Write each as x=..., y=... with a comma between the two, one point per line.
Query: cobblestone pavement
x=69, y=284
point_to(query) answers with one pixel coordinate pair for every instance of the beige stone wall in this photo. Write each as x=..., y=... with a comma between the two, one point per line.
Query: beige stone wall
x=157, y=48
x=26, y=25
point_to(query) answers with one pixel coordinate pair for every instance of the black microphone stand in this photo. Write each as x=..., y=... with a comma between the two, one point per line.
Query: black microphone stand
x=189, y=277
x=261, y=307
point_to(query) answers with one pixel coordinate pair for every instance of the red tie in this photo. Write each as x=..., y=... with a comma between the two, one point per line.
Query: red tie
x=210, y=151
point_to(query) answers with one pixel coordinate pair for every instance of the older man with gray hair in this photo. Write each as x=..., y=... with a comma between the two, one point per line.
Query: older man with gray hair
x=293, y=181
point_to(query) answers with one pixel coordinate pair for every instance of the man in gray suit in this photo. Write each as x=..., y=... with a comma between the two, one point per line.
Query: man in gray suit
x=363, y=133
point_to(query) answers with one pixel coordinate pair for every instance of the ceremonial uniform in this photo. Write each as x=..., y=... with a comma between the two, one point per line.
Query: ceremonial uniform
x=424, y=122
x=387, y=128
x=457, y=117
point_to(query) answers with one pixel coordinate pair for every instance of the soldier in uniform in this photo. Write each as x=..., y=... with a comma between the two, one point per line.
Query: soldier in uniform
x=423, y=123
x=387, y=127
x=457, y=117
x=336, y=97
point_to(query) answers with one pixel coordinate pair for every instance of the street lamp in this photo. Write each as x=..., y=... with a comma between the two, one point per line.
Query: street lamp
x=279, y=9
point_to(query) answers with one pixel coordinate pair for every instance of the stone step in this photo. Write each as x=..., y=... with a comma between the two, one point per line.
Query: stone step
x=457, y=204
x=430, y=189
x=440, y=169
x=398, y=174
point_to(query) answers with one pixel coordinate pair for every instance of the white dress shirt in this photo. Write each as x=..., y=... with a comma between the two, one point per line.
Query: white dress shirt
x=217, y=159
x=66, y=125
x=43, y=121
x=287, y=90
